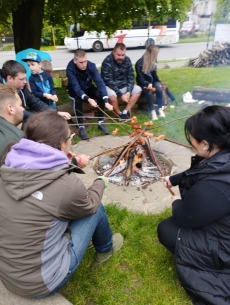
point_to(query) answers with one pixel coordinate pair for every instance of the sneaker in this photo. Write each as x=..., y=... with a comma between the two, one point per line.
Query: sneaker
x=124, y=116
x=161, y=113
x=103, y=128
x=117, y=244
x=82, y=133
x=128, y=114
x=154, y=115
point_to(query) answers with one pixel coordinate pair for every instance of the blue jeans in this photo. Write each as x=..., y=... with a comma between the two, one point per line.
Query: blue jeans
x=149, y=96
x=95, y=227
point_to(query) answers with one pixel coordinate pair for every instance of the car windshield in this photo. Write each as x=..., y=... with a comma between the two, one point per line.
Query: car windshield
x=187, y=25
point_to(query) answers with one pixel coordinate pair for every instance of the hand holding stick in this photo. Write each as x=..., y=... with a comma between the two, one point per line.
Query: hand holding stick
x=158, y=166
x=113, y=120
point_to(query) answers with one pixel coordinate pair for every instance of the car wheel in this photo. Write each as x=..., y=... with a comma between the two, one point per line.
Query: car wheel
x=149, y=42
x=97, y=46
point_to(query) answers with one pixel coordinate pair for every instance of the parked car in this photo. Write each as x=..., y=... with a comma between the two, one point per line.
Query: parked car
x=188, y=27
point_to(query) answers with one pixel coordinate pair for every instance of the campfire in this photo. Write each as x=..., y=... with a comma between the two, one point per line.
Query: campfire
x=134, y=163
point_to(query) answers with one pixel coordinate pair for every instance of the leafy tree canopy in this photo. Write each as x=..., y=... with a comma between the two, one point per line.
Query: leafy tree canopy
x=222, y=14
x=107, y=15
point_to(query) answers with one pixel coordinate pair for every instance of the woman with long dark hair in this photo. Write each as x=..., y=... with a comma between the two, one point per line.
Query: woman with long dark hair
x=198, y=232
x=147, y=79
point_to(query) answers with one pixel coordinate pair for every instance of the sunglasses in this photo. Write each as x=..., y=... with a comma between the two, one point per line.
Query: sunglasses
x=71, y=136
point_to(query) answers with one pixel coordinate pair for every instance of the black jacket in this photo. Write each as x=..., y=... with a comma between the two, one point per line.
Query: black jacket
x=29, y=100
x=203, y=242
x=144, y=79
x=117, y=76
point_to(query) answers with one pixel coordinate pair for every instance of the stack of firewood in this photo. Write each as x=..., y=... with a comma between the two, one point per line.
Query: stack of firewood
x=218, y=55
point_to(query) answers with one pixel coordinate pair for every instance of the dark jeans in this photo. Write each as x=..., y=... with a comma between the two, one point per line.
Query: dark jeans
x=95, y=227
x=149, y=96
x=93, y=93
x=167, y=232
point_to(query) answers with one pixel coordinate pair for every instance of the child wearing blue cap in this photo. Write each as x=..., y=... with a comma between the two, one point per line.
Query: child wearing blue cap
x=41, y=82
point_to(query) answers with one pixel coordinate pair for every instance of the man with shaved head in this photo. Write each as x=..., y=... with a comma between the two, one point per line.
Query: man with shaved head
x=11, y=116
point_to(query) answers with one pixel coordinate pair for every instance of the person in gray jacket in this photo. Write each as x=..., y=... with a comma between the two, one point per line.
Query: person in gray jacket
x=118, y=75
x=54, y=216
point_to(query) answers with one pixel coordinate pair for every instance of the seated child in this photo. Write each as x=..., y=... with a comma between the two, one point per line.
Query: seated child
x=47, y=66
x=41, y=82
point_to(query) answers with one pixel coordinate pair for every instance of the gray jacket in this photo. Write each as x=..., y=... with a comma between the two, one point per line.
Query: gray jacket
x=35, y=208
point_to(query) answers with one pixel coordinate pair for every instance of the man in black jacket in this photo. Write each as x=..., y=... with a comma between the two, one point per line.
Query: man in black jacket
x=117, y=73
x=13, y=73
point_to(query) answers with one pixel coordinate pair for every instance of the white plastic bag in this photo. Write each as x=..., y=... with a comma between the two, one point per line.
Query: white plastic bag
x=187, y=98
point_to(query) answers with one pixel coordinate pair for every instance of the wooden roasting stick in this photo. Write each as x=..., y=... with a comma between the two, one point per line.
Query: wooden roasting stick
x=120, y=125
x=124, y=152
x=109, y=150
x=158, y=166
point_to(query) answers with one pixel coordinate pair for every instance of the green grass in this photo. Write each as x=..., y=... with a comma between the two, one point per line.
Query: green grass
x=143, y=272
x=8, y=47
x=197, y=37
x=180, y=81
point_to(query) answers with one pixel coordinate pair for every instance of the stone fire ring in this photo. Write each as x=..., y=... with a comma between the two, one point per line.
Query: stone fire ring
x=153, y=199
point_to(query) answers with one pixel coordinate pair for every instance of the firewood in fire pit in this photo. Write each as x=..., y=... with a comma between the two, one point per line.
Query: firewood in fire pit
x=129, y=167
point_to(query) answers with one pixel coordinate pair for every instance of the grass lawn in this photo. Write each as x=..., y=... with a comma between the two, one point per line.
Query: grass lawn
x=143, y=272
x=197, y=37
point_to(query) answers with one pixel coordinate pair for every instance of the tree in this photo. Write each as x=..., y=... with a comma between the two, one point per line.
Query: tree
x=97, y=15
x=222, y=14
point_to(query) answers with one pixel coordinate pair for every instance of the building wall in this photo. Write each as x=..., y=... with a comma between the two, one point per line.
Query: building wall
x=201, y=13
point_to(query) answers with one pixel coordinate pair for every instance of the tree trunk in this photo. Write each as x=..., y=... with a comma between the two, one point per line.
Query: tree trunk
x=27, y=25
x=213, y=95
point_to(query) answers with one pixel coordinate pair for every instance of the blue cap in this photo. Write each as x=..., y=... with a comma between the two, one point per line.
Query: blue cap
x=32, y=56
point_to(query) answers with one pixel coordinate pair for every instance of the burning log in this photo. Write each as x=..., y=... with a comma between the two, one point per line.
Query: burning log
x=129, y=167
x=158, y=166
x=134, y=164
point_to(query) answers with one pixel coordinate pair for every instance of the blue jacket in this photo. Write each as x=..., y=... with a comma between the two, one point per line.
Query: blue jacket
x=78, y=84
x=42, y=83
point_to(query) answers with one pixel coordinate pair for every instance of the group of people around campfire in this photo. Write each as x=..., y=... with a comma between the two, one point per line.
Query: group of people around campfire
x=48, y=218
x=116, y=83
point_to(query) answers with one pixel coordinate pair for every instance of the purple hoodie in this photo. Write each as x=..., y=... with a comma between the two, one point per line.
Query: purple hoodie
x=28, y=154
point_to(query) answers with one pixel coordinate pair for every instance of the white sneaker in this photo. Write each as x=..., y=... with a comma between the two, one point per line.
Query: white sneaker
x=154, y=115
x=161, y=113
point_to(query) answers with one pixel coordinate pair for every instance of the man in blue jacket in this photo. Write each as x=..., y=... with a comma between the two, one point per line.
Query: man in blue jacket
x=81, y=73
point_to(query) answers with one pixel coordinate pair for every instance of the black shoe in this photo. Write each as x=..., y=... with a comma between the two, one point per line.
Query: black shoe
x=103, y=128
x=82, y=133
x=124, y=116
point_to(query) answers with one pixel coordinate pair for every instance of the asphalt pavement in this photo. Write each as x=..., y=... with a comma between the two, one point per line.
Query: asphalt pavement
x=62, y=56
